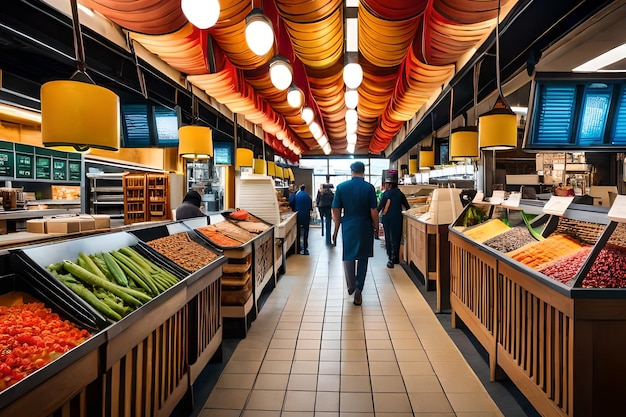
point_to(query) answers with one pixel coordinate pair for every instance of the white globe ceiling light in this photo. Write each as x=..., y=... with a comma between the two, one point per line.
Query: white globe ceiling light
x=281, y=135
x=353, y=75
x=315, y=128
x=201, y=13
x=351, y=138
x=295, y=97
x=351, y=116
x=318, y=134
x=322, y=141
x=259, y=32
x=351, y=98
x=280, y=73
x=351, y=128
x=350, y=147
x=327, y=149
x=308, y=115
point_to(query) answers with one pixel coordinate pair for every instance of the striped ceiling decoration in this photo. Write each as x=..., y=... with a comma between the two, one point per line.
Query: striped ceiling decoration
x=408, y=50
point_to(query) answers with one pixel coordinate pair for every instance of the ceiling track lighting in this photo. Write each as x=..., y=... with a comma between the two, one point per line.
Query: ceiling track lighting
x=203, y=14
x=497, y=129
x=281, y=73
x=259, y=32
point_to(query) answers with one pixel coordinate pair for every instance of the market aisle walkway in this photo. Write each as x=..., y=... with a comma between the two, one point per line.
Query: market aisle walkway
x=312, y=353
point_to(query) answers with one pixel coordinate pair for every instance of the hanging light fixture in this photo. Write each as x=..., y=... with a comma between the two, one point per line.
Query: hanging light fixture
x=351, y=116
x=77, y=112
x=308, y=115
x=350, y=147
x=195, y=142
x=427, y=158
x=201, y=13
x=295, y=97
x=245, y=158
x=497, y=129
x=351, y=97
x=353, y=75
x=351, y=138
x=259, y=32
x=281, y=73
x=327, y=149
x=464, y=143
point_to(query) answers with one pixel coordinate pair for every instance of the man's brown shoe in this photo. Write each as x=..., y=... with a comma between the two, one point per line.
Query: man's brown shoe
x=357, y=298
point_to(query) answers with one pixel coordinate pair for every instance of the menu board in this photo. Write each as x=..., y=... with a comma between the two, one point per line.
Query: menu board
x=42, y=168
x=74, y=168
x=59, y=169
x=7, y=162
x=23, y=166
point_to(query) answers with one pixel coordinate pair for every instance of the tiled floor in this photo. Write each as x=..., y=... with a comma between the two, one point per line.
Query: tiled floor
x=312, y=353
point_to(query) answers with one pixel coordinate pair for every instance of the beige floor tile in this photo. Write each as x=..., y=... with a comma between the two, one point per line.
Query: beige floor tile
x=261, y=413
x=431, y=402
x=352, y=334
x=332, y=326
x=242, y=367
x=355, y=383
x=283, y=344
x=285, y=334
x=479, y=414
x=472, y=403
x=348, y=414
x=399, y=344
x=437, y=355
x=374, y=325
x=403, y=334
x=308, y=344
x=279, y=354
x=271, y=381
x=245, y=354
x=382, y=414
x=288, y=325
x=310, y=334
x=297, y=414
x=329, y=368
x=265, y=400
x=214, y=412
x=312, y=326
x=461, y=384
x=331, y=334
x=302, y=383
x=276, y=367
x=386, y=402
x=411, y=355
x=353, y=344
x=415, y=368
x=387, y=383
x=332, y=319
x=422, y=383
x=227, y=398
x=379, y=344
x=384, y=368
x=326, y=414
x=299, y=401
x=330, y=344
x=354, y=355
x=307, y=355
x=237, y=381
x=354, y=368
x=305, y=367
x=399, y=325
x=380, y=355
x=327, y=401
x=376, y=335
x=330, y=355
x=355, y=402
x=328, y=382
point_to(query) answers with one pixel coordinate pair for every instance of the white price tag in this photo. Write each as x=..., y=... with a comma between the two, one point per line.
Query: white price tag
x=557, y=205
x=513, y=200
x=478, y=198
x=617, y=213
x=497, y=197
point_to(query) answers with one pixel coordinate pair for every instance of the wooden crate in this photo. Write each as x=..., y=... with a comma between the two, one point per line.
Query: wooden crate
x=157, y=191
x=134, y=198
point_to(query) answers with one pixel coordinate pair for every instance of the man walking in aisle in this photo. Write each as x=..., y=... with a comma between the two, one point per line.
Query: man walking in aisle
x=303, y=204
x=390, y=208
x=324, y=201
x=354, y=207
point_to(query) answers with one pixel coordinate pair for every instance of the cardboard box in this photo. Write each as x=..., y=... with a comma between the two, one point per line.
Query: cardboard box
x=63, y=225
x=86, y=223
x=103, y=221
x=36, y=226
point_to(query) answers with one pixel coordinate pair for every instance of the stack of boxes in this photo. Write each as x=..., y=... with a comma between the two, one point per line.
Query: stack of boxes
x=69, y=224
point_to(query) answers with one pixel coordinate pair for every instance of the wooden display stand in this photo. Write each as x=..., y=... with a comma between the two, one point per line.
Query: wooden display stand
x=562, y=346
x=134, y=198
x=146, y=198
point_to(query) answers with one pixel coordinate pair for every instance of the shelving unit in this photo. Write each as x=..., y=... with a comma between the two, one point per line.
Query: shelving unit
x=158, y=199
x=107, y=194
x=134, y=198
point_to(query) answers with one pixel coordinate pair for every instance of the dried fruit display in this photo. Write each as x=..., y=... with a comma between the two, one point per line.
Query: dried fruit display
x=565, y=268
x=253, y=227
x=183, y=251
x=536, y=255
x=487, y=230
x=233, y=231
x=220, y=239
x=608, y=270
x=511, y=240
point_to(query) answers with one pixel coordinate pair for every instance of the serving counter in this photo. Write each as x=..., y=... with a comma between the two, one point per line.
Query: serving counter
x=527, y=285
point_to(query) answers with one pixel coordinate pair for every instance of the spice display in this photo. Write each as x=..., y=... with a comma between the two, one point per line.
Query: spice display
x=234, y=231
x=253, y=227
x=566, y=267
x=31, y=336
x=510, y=240
x=582, y=231
x=114, y=283
x=183, y=251
x=608, y=270
x=487, y=230
x=535, y=255
x=217, y=237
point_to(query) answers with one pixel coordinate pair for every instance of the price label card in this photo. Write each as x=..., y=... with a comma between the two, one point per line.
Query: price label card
x=617, y=213
x=478, y=198
x=513, y=200
x=497, y=197
x=557, y=205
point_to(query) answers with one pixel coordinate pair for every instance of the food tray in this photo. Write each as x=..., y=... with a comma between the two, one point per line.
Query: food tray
x=32, y=291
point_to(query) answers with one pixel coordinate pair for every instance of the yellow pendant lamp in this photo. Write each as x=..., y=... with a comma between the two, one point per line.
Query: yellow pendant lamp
x=279, y=172
x=244, y=157
x=497, y=129
x=259, y=166
x=413, y=166
x=195, y=142
x=427, y=158
x=271, y=168
x=464, y=143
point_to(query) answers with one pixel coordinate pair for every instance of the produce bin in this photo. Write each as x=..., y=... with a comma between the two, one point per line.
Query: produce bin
x=203, y=299
x=143, y=368
x=65, y=386
x=560, y=343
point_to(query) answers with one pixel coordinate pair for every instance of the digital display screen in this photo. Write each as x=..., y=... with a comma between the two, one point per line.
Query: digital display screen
x=223, y=153
x=167, y=123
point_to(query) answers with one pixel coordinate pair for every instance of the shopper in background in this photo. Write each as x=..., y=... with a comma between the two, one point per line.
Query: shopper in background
x=354, y=207
x=303, y=204
x=324, y=201
x=390, y=207
x=190, y=207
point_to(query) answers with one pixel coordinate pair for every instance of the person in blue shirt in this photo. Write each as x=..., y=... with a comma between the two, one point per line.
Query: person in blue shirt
x=354, y=208
x=303, y=204
x=390, y=207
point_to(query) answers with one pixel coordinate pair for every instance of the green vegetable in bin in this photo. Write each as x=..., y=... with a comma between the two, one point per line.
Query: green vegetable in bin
x=115, y=269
